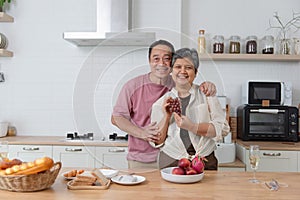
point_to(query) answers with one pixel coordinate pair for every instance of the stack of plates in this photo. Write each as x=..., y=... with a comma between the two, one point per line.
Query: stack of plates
x=3, y=41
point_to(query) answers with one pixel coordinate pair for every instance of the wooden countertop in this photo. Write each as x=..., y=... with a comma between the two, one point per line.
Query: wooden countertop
x=236, y=164
x=214, y=185
x=271, y=145
x=59, y=140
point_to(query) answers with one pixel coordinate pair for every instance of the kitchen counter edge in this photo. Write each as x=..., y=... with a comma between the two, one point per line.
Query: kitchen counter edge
x=59, y=141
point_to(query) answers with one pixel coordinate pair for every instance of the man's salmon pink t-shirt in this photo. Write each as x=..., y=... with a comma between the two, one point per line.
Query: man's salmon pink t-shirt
x=134, y=103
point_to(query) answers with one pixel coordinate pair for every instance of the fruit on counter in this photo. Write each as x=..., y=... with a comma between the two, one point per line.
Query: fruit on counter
x=190, y=171
x=198, y=164
x=187, y=167
x=184, y=163
x=6, y=163
x=73, y=173
x=178, y=171
x=27, y=168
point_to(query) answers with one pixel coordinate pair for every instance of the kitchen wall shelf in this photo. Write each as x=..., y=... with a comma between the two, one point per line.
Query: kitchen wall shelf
x=6, y=53
x=5, y=17
x=250, y=57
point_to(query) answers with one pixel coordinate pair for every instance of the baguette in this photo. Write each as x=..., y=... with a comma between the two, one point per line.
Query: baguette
x=39, y=165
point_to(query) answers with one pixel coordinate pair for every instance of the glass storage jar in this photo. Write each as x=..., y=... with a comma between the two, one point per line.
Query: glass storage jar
x=218, y=44
x=267, y=44
x=297, y=46
x=251, y=44
x=201, y=42
x=234, y=44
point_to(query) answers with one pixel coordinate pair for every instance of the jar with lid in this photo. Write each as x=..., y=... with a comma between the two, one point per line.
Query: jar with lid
x=201, y=42
x=267, y=44
x=218, y=44
x=234, y=44
x=251, y=44
x=297, y=46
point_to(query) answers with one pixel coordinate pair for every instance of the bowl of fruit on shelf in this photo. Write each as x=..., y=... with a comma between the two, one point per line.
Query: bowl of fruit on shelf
x=187, y=171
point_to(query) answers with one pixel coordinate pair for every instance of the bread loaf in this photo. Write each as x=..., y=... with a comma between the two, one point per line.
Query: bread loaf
x=73, y=173
x=88, y=179
x=39, y=165
x=100, y=176
x=6, y=163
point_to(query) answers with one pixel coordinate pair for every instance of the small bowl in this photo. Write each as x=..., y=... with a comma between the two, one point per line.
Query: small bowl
x=109, y=173
x=166, y=174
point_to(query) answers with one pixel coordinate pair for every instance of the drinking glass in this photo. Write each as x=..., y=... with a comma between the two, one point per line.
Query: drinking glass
x=3, y=150
x=254, y=161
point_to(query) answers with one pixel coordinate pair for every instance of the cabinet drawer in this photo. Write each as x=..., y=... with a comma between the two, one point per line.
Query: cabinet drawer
x=112, y=157
x=75, y=156
x=29, y=152
x=276, y=161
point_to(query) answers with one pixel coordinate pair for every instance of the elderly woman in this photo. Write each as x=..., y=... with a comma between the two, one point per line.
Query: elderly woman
x=201, y=122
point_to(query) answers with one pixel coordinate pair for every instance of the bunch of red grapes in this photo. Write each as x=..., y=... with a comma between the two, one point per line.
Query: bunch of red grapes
x=174, y=105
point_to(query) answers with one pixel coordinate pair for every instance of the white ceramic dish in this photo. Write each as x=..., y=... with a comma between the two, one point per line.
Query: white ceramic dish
x=118, y=179
x=108, y=173
x=166, y=174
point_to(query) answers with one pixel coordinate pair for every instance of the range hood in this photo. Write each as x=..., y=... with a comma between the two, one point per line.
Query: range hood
x=114, y=19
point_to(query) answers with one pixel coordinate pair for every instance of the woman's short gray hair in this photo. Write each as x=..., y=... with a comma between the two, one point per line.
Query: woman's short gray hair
x=192, y=54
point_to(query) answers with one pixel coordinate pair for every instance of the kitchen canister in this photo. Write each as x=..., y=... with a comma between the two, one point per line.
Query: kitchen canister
x=267, y=44
x=201, y=42
x=234, y=44
x=251, y=44
x=297, y=46
x=3, y=129
x=218, y=44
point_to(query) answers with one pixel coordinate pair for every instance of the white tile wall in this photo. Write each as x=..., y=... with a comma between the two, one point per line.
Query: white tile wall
x=53, y=86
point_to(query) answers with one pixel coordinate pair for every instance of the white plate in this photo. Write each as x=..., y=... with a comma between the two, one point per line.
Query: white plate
x=108, y=173
x=118, y=179
x=166, y=174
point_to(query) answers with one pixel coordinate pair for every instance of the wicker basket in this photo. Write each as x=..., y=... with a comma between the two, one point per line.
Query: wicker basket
x=30, y=183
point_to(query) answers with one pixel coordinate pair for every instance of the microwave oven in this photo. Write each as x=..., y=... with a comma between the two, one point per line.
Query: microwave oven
x=275, y=92
x=272, y=123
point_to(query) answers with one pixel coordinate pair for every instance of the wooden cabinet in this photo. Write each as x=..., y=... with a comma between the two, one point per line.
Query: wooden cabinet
x=29, y=152
x=112, y=157
x=277, y=161
x=271, y=161
x=71, y=156
x=5, y=18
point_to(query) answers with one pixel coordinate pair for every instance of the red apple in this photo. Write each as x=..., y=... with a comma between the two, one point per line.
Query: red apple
x=184, y=163
x=178, y=171
x=190, y=171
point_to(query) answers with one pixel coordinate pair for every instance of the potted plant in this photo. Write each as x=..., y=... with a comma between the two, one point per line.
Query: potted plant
x=2, y=2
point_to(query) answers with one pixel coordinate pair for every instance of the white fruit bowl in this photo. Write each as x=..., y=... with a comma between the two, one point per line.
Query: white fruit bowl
x=166, y=174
